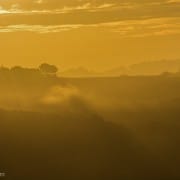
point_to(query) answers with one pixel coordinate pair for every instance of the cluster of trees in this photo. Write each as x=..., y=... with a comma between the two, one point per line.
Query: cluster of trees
x=44, y=68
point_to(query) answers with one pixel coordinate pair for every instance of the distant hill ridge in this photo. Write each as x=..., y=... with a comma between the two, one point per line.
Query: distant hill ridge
x=143, y=68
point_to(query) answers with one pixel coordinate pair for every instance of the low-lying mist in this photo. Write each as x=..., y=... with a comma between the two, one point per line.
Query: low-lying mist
x=88, y=128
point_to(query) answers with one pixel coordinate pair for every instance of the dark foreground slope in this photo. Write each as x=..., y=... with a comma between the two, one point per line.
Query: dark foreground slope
x=97, y=128
x=78, y=145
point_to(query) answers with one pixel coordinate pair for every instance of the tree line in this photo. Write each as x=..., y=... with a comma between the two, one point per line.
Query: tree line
x=46, y=69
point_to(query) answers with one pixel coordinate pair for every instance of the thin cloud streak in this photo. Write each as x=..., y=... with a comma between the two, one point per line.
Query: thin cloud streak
x=128, y=19
x=66, y=9
x=129, y=28
x=37, y=28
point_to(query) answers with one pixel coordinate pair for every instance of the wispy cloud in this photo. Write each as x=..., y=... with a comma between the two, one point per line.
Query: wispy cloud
x=146, y=27
x=15, y=9
x=129, y=19
x=173, y=1
x=125, y=29
x=38, y=28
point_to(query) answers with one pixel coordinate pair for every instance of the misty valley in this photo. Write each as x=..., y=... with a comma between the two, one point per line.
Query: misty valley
x=89, y=89
x=113, y=128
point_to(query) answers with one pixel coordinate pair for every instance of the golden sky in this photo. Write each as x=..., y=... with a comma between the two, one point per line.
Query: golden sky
x=97, y=34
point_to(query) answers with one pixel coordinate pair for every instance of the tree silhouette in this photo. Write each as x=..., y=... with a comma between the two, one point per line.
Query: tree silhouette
x=17, y=69
x=48, y=69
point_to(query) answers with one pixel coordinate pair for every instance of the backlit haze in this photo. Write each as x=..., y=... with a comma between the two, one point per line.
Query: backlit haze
x=90, y=89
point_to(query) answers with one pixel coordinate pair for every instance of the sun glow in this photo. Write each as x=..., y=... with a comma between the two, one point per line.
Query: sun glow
x=3, y=11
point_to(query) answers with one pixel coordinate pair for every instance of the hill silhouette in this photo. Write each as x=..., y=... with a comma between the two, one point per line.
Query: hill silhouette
x=147, y=68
